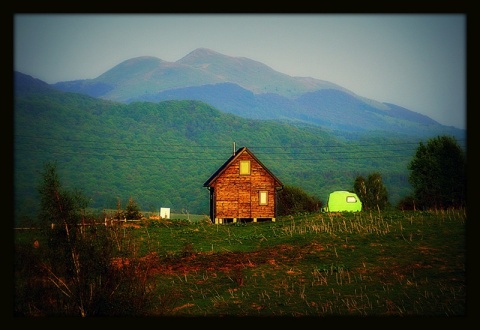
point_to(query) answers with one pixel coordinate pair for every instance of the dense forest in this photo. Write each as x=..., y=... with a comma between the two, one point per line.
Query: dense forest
x=160, y=154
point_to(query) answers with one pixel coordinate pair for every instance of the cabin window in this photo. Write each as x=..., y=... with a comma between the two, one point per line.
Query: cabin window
x=351, y=199
x=244, y=167
x=263, y=198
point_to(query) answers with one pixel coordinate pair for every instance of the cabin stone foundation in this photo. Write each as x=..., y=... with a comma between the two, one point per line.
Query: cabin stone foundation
x=219, y=221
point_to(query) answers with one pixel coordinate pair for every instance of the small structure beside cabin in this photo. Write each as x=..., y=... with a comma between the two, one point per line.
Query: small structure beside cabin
x=343, y=201
x=165, y=212
x=243, y=189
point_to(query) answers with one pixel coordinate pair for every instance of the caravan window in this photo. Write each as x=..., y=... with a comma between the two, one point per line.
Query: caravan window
x=351, y=199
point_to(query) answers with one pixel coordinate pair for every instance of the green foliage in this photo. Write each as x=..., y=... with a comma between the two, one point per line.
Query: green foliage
x=58, y=206
x=70, y=271
x=294, y=200
x=372, y=192
x=438, y=174
x=132, y=211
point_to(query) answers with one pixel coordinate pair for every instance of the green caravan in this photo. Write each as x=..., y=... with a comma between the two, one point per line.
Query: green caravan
x=343, y=201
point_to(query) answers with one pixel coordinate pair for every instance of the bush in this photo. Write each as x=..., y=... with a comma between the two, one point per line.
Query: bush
x=132, y=211
x=406, y=204
x=293, y=200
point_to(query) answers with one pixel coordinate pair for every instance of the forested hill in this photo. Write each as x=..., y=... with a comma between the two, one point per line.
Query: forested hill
x=160, y=154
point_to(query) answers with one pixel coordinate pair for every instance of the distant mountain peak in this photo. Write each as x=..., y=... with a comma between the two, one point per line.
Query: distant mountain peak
x=200, y=56
x=202, y=52
x=150, y=61
x=134, y=67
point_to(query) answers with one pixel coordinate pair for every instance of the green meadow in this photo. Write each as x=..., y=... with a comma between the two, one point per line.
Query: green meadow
x=387, y=263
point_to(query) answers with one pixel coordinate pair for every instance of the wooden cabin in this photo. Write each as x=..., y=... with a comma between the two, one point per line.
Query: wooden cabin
x=243, y=189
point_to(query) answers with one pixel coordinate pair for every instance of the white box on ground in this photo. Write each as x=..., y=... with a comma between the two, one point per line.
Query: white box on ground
x=165, y=212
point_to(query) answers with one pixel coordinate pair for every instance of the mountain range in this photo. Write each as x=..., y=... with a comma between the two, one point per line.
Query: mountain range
x=250, y=89
x=155, y=131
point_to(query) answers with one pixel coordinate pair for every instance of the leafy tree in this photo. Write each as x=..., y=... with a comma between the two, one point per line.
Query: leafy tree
x=294, y=200
x=437, y=174
x=371, y=192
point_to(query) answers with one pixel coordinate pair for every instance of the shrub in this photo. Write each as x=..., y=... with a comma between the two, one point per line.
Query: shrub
x=132, y=211
x=406, y=204
x=293, y=200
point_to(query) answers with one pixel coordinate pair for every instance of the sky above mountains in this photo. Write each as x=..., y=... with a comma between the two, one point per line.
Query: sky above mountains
x=417, y=61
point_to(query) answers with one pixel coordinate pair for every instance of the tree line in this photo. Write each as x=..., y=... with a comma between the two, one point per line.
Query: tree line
x=437, y=174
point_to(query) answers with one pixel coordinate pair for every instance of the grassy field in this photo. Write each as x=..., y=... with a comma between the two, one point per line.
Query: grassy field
x=351, y=264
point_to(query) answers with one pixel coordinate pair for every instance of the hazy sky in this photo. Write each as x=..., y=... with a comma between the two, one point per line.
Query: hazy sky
x=417, y=61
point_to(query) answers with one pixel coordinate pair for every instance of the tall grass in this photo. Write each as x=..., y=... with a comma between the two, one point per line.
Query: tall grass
x=407, y=263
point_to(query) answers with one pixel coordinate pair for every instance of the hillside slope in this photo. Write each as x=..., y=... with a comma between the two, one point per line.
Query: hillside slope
x=160, y=154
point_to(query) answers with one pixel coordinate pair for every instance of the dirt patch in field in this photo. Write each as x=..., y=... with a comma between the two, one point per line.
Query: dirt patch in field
x=228, y=261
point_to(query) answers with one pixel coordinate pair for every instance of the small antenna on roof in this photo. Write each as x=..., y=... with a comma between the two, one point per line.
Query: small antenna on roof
x=234, y=148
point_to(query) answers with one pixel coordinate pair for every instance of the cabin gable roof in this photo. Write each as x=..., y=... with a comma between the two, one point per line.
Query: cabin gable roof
x=231, y=160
